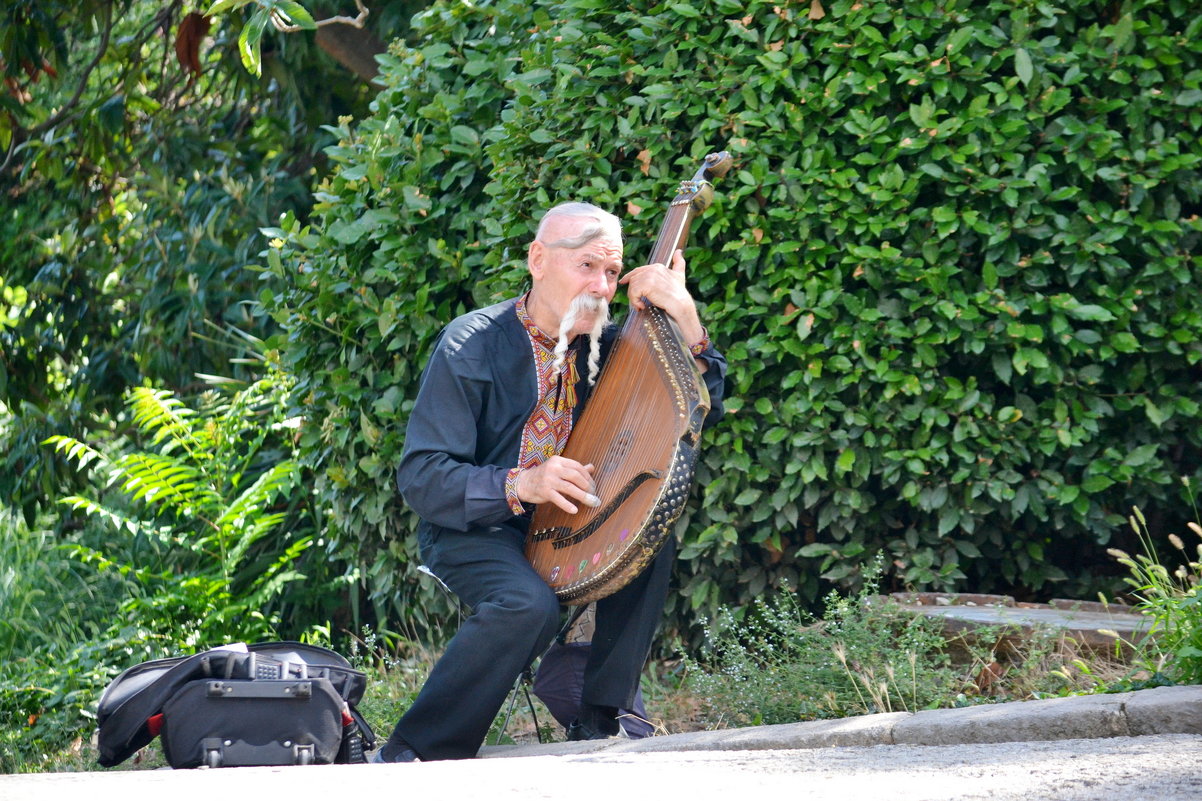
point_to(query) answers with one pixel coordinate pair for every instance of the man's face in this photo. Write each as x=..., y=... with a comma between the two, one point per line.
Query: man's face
x=561, y=273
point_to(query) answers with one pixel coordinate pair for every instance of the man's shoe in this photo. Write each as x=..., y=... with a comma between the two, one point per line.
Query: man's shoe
x=594, y=722
x=405, y=754
x=579, y=731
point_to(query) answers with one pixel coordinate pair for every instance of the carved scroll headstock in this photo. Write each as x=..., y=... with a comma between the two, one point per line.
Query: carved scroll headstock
x=716, y=166
x=693, y=198
x=699, y=192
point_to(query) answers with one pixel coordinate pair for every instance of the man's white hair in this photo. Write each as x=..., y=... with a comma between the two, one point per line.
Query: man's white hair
x=602, y=219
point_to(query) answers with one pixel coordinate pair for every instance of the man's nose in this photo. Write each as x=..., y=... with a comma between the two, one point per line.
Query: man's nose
x=599, y=286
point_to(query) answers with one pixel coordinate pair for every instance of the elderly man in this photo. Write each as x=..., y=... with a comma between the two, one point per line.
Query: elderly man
x=493, y=412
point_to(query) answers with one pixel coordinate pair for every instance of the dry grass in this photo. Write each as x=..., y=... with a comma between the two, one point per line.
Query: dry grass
x=995, y=669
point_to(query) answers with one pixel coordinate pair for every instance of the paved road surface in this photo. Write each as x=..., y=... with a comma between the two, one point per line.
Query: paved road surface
x=1151, y=768
x=1136, y=746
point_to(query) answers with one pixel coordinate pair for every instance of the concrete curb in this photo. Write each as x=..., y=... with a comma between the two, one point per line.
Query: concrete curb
x=1163, y=710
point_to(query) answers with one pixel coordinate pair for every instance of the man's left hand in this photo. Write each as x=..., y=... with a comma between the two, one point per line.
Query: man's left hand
x=664, y=286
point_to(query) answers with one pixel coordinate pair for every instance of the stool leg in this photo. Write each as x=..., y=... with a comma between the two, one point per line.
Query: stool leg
x=513, y=697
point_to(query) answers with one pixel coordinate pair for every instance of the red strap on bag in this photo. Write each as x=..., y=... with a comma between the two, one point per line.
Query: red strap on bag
x=154, y=724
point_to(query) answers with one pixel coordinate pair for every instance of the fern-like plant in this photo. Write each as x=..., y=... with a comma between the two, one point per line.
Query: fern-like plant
x=204, y=503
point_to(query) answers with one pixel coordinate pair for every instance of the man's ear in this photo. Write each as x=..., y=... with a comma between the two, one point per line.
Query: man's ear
x=536, y=256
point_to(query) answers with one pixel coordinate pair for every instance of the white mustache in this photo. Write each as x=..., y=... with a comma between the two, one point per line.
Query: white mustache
x=588, y=303
x=583, y=303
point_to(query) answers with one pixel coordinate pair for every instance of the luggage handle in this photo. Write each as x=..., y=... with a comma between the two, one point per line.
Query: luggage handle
x=301, y=690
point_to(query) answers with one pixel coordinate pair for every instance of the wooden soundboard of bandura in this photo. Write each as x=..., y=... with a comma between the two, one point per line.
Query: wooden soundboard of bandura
x=640, y=433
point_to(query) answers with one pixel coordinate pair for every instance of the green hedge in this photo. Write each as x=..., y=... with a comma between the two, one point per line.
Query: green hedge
x=952, y=272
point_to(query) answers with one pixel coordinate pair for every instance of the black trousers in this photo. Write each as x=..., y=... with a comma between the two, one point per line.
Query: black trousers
x=514, y=617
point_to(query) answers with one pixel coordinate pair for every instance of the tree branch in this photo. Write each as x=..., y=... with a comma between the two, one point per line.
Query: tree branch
x=83, y=81
x=356, y=22
x=61, y=114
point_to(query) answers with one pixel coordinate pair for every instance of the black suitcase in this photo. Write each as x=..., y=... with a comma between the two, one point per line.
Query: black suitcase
x=279, y=703
x=233, y=723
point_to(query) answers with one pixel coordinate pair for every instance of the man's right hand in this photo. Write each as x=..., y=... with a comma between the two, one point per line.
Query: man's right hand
x=559, y=481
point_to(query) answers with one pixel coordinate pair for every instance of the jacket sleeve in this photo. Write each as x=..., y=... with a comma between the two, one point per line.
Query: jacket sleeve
x=438, y=475
x=715, y=382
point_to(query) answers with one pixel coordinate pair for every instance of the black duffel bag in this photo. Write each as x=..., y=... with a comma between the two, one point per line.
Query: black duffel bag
x=273, y=703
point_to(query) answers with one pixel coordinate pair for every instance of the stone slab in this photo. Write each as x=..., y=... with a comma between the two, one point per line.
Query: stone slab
x=1085, y=621
x=864, y=730
x=1160, y=711
x=1165, y=710
x=1072, y=718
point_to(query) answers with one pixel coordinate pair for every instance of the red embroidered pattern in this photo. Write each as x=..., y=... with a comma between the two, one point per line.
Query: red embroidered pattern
x=546, y=432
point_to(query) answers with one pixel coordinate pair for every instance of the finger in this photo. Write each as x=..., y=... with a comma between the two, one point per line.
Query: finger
x=638, y=273
x=578, y=475
x=563, y=503
x=563, y=461
x=639, y=284
x=585, y=494
x=678, y=263
x=561, y=500
x=563, y=467
x=586, y=483
x=564, y=477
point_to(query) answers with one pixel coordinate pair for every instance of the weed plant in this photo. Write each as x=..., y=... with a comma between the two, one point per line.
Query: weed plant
x=867, y=655
x=1172, y=650
x=46, y=596
x=779, y=665
x=45, y=607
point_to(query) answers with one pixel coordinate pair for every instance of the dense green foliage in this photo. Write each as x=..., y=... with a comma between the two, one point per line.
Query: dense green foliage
x=133, y=188
x=399, y=255
x=951, y=272
x=138, y=158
